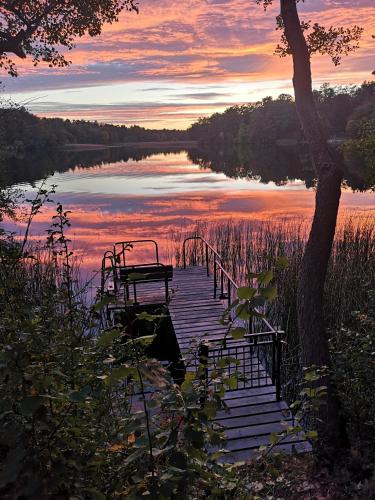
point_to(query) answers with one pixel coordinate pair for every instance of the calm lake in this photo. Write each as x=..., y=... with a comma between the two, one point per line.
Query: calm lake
x=119, y=195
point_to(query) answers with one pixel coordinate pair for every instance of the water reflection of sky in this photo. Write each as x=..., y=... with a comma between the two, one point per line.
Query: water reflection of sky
x=159, y=173
x=162, y=194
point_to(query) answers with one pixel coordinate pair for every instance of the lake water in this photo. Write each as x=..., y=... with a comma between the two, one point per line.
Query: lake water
x=154, y=195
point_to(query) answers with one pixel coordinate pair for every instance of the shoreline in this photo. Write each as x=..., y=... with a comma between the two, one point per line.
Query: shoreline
x=141, y=145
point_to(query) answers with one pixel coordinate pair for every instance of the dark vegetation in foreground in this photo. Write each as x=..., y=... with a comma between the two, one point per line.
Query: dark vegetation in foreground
x=70, y=426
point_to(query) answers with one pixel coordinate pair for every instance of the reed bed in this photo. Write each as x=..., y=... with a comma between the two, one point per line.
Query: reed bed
x=252, y=246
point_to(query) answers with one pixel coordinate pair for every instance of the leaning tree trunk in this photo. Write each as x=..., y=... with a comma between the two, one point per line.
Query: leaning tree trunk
x=327, y=164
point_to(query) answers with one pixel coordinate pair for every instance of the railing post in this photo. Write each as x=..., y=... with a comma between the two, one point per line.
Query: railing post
x=221, y=284
x=116, y=286
x=184, y=254
x=215, y=278
x=166, y=288
x=278, y=368
x=123, y=254
x=273, y=374
x=229, y=293
x=207, y=266
x=102, y=282
x=135, y=293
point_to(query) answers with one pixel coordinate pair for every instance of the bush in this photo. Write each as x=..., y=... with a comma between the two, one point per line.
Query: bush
x=84, y=412
x=353, y=355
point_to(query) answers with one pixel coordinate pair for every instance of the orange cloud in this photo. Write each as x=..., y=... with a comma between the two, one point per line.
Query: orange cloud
x=200, y=42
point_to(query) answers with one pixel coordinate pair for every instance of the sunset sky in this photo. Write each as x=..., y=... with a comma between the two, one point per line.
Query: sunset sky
x=178, y=60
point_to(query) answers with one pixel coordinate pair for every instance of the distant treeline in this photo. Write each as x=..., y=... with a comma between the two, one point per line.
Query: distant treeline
x=22, y=132
x=343, y=109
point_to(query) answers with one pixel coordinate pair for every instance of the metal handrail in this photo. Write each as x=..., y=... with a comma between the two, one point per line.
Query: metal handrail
x=218, y=265
x=108, y=255
x=271, y=368
x=208, y=247
x=124, y=244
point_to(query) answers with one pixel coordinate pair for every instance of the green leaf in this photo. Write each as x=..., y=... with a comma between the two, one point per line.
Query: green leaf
x=242, y=313
x=146, y=340
x=108, y=337
x=309, y=391
x=120, y=373
x=245, y=292
x=210, y=409
x=296, y=404
x=79, y=396
x=265, y=277
x=281, y=263
x=188, y=382
x=274, y=438
x=144, y=315
x=238, y=333
x=231, y=382
x=269, y=293
x=312, y=434
x=258, y=301
x=223, y=362
x=251, y=276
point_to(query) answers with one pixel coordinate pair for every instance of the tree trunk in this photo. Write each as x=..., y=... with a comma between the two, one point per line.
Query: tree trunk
x=327, y=164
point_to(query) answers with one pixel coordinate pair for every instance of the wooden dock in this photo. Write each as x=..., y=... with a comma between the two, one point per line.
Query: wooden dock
x=254, y=412
x=196, y=297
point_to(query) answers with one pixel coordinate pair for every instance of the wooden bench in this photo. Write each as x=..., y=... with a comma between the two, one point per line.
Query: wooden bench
x=142, y=274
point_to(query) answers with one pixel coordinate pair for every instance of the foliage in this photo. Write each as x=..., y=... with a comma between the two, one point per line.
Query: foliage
x=353, y=354
x=273, y=120
x=304, y=410
x=22, y=133
x=84, y=411
x=250, y=302
x=40, y=28
x=336, y=42
x=361, y=150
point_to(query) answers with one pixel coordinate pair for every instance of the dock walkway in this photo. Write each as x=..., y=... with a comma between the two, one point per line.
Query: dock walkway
x=254, y=411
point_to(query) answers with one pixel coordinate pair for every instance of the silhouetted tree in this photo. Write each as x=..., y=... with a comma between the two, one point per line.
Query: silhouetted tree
x=40, y=28
x=301, y=40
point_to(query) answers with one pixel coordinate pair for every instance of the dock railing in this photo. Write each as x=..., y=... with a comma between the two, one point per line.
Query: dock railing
x=123, y=275
x=263, y=340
